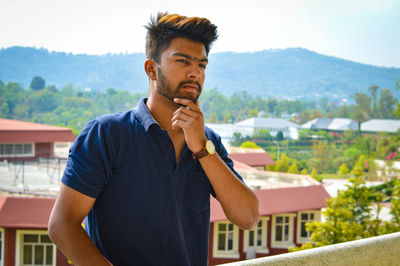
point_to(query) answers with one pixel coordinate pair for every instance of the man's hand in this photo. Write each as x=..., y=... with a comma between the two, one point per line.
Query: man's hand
x=190, y=119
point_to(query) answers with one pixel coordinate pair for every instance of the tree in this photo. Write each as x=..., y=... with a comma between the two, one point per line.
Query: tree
x=320, y=160
x=315, y=114
x=262, y=134
x=397, y=111
x=303, y=117
x=279, y=136
x=374, y=95
x=363, y=106
x=386, y=104
x=343, y=169
x=348, y=217
x=37, y=83
x=283, y=164
x=237, y=139
x=213, y=118
x=394, y=225
x=293, y=168
x=249, y=144
x=344, y=111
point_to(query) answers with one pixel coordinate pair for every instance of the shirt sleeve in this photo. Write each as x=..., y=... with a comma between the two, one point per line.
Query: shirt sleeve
x=88, y=166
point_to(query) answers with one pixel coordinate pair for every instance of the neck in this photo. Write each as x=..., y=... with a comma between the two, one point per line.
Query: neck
x=162, y=109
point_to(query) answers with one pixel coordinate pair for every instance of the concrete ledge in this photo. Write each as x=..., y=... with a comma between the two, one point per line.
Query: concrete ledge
x=380, y=250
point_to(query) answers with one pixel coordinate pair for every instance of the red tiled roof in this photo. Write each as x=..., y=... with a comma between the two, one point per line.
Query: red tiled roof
x=20, y=131
x=21, y=212
x=252, y=159
x=280, y=200
x=15, y=125
x=241, y=166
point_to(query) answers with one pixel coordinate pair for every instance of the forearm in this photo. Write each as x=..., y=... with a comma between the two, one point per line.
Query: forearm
x=237, y=200
x=75, y=244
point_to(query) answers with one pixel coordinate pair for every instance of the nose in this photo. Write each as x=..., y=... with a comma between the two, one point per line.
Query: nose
x=195, y=72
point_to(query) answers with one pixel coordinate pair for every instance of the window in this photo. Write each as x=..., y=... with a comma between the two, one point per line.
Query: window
x=35, y=248
x=257, y=237
x=282, y=230
x=16, y=149
x=303, y=218
x=1, y=246
x=225, y=240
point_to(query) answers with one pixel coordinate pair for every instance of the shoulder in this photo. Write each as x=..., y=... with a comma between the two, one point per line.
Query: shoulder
x=112, y=123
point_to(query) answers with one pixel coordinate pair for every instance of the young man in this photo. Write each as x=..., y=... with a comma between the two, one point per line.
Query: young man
x=143, y=178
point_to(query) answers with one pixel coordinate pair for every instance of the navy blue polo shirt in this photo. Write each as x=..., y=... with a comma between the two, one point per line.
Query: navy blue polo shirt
x=149, y=209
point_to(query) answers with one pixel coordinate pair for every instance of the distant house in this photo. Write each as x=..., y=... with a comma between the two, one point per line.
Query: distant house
x=331, y=124
x=250, y=126
x=380, y=125
x=21, y=140
x=273, y=125
x=23, y=232
x=225, y=131
x=284, y=213
x=257, y=158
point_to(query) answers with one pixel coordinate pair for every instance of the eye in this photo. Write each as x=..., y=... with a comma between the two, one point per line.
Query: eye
x=182, y=61
x=203, y=66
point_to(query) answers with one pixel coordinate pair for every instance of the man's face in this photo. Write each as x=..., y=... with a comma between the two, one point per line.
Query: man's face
x=181, y=71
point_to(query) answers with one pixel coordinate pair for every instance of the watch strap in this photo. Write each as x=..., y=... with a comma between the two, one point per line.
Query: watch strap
x=200, y=154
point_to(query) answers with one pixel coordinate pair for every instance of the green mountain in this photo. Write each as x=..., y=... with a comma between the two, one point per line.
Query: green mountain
x=282, y=73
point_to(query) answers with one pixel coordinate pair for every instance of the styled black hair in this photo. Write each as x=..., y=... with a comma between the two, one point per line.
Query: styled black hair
x=163, y=28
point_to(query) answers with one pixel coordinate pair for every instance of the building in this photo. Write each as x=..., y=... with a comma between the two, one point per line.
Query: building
x=380, y=125
x=286, y=202
x=23, y=232
x=21, y=140
x=250, y=126
x=225, y=131
x=284, y=213
x=257, y=158
x=273, y=125
x=331, y=124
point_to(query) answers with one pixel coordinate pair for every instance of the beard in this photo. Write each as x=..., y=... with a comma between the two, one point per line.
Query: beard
x=164, y=89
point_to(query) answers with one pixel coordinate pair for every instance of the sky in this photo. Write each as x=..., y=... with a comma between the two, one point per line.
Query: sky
x=365, y=31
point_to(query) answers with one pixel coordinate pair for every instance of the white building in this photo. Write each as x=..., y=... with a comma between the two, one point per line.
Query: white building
x=380, y=125
x=273, y=125
x=249, y=126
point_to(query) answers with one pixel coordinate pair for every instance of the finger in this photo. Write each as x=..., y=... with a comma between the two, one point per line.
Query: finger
x=187, y=103
x=181, y=116
x=179, y=123
x=186, y=110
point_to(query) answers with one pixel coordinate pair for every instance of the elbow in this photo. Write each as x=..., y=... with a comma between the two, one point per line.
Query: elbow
x=54, y=228
x=252, y=217
x=251, y=221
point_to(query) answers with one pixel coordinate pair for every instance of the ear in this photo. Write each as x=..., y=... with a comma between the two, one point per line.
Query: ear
x=150, y=68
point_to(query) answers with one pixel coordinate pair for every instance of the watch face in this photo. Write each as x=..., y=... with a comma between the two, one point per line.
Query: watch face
x=210, y=147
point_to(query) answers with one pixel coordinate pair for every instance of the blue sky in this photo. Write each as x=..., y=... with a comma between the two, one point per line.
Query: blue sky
x=365, y=31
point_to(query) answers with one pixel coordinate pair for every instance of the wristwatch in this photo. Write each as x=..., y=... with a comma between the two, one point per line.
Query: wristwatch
x=209, y=149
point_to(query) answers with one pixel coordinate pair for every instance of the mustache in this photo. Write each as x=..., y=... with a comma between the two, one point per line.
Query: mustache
x=181, y=84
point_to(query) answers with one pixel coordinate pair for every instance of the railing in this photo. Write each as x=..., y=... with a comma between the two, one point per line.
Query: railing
x=40, y=176
x=380, y=250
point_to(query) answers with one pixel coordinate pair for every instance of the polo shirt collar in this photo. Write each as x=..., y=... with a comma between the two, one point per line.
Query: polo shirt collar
x=143, y=114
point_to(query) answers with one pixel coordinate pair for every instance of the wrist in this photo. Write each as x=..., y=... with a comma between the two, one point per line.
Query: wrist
x=208, y=149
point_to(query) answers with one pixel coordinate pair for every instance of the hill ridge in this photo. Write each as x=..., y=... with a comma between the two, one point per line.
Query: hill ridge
x=285, y=73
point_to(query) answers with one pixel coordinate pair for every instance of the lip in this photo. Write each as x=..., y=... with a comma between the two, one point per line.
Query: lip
x=190, y=87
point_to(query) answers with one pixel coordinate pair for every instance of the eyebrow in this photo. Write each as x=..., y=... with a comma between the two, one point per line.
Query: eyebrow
x=191, y=58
